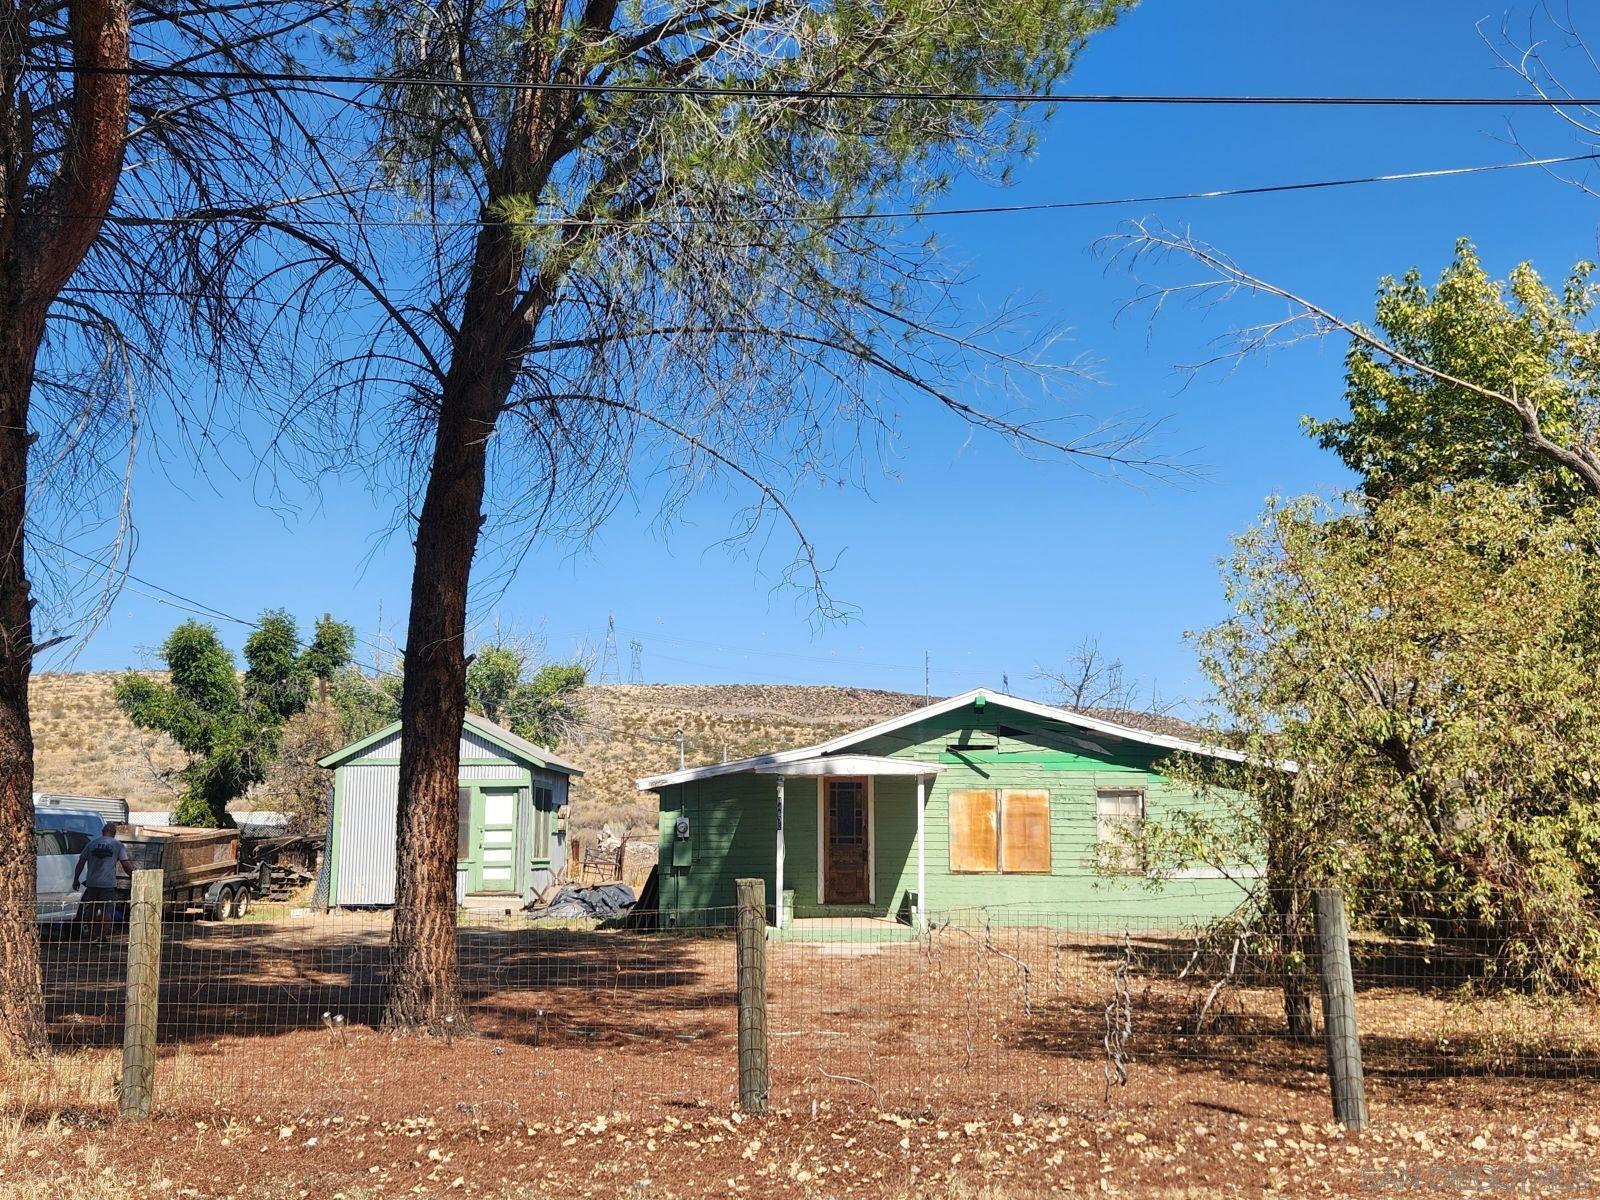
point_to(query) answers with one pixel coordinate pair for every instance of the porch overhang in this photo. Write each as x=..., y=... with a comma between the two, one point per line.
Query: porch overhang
x=850, y=764
x=857, y=766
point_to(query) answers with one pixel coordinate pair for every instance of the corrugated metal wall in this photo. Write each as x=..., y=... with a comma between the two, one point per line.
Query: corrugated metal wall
x=112, y=808
x=508, y=771
x=366, y=819
x=368, y=798
x=472, y=746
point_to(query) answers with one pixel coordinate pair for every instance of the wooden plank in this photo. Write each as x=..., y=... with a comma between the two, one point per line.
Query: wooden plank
x=752, y=984
x=974, y=831
x=1025, y=831
x=1345, y=1078
x=144, y=984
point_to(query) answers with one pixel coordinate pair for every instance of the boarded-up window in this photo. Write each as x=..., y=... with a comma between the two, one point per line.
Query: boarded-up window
x=1025, y=832
x=974, y=832
x=543, y=812
x=1117, y=815
x=1007, y=831
x=463, y=823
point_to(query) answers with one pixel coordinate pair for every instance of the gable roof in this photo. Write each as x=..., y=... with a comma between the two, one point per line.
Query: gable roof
x=1065, y=716
x=516, y=747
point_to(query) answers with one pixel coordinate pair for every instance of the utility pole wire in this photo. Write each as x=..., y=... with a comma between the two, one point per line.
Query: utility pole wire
x=245, y=215
x=746, y=92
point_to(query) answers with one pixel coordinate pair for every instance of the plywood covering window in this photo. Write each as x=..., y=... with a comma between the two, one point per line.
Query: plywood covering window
x=1006, y=831
x=1024, y=832
x=1118, y=813
x=543, y=811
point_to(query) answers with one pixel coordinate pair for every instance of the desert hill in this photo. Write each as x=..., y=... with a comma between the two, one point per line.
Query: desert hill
x=84, y=745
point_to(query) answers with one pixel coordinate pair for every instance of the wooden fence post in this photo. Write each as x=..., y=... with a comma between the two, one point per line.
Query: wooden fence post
x=144, y=985
x=1339, y=1009
x=752, y=951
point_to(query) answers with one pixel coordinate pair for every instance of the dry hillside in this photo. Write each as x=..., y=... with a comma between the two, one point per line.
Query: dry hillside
x=632, y=732
x=84, y=745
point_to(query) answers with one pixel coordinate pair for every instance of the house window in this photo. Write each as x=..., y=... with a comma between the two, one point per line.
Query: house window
x=1005, y=831
x=1118, y=813
x=463, y=823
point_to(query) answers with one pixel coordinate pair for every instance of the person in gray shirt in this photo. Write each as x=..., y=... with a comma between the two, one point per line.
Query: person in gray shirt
x=97, y=872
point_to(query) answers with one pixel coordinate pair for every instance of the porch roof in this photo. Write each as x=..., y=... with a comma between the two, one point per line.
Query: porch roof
x=849, y=764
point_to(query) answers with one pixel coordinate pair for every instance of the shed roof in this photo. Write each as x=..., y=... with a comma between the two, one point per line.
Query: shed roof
x=519, y=748
x=1066, y=716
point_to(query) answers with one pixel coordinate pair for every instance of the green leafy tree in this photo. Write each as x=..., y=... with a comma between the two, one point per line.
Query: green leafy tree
x=231, y=727
x=364, y=703
x=539, y=703
x=1431, y=663
x=1518, y=337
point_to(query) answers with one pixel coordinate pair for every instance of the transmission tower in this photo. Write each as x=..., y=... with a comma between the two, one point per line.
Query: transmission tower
x=610, y=670
x=635, y=661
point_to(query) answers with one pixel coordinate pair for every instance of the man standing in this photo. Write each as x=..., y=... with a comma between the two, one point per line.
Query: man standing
x=99, y=862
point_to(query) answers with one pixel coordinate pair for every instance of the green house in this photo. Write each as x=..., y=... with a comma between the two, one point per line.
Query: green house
x=511, y=820
x=981, y=801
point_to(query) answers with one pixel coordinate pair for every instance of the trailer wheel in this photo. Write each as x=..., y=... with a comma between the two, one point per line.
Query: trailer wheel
x=222, y=907
x=241, y=902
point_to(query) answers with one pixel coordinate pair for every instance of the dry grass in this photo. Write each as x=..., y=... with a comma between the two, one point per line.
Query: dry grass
x=83, y=745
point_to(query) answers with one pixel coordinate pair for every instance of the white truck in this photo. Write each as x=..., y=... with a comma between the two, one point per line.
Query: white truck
x=59, y=836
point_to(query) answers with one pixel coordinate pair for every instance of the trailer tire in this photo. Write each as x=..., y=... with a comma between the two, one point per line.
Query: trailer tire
x=241, y=902
x=222, y=908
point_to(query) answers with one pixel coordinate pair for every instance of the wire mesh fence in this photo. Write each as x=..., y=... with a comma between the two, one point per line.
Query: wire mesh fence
x=1030, y=1006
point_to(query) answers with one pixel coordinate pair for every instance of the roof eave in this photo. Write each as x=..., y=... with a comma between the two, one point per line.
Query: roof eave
x=654, y=783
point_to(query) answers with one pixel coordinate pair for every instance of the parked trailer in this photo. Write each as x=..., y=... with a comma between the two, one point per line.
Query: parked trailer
x=200, y=867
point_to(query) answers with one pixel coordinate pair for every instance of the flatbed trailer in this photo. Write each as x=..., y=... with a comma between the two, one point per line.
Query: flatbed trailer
x=200, y=867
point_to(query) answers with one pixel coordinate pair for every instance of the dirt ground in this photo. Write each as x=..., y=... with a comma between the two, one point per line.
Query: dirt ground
x=605, y=1064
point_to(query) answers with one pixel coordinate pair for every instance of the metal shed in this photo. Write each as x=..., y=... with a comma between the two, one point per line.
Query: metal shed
x=512, y=816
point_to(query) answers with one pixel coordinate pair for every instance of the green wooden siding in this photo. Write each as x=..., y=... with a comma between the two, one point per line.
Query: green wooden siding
x=733, y=827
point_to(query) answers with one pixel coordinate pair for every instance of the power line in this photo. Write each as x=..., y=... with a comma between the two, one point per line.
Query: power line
x=134, y=219
x=178, y=600
x=749, y=92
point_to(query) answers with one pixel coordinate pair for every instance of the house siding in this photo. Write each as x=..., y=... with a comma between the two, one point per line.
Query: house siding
x=734, y=830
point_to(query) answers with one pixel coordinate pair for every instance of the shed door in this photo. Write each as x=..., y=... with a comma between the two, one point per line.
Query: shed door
x=491, y=840
x=846, y=847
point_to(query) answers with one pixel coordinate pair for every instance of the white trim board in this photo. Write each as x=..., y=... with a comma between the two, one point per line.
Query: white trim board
x=1033, y=708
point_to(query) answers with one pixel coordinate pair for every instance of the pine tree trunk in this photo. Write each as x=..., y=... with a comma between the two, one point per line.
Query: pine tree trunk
x=41, y=244
x=486, y=356
x=22, y=1026
x=424, y=986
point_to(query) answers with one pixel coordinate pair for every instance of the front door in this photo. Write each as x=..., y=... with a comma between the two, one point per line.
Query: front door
x=845, y=843
x=493, y=840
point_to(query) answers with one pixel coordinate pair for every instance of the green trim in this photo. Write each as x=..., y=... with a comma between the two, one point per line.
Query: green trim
x=340, y=757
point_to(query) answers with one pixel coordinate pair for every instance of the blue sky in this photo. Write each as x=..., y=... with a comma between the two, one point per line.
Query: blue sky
x=988, y=563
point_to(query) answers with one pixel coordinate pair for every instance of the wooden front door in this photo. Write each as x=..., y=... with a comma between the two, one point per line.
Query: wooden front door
x=846, y=846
